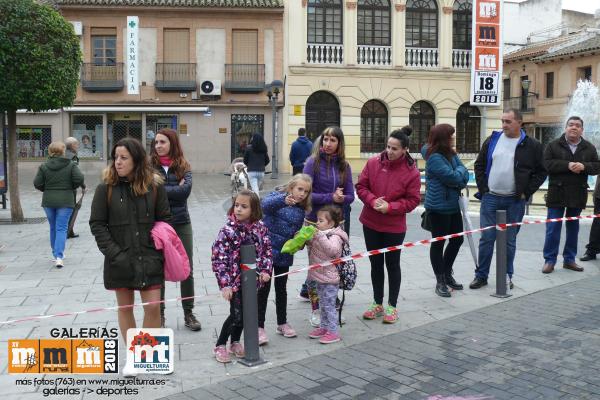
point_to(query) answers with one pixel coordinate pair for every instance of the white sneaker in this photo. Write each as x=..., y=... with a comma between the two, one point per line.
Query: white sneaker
x=315, y=318
x=128, y=371
x=59, y=263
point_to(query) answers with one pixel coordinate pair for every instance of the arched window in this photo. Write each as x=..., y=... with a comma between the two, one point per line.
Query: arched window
x=468, y=129
x=325, y=21
x=373, y=127
x=374, y=23
x=461, y=24
x=421, y=23
x=322, y=110
x=421, y=118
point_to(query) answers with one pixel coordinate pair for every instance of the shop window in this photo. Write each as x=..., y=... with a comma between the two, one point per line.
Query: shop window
x=156, y=122
x=33, y=142
x=243, y=126
x=87, y=128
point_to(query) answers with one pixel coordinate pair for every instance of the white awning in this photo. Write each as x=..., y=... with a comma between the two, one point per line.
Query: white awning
x=160, y=109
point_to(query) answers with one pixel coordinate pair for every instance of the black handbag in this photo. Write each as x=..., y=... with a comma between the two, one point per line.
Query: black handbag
x=426, y=221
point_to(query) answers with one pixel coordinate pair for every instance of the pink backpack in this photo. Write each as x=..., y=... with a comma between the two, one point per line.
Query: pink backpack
x=177, y=264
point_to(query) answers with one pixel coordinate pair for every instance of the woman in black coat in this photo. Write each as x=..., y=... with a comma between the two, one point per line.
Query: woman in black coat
x=125, y=207
x=256, y=158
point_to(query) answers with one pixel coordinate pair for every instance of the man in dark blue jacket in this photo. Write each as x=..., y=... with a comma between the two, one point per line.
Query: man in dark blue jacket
x=300, y=151
x=509, y=170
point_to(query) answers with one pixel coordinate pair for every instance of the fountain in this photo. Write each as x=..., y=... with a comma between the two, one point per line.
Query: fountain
x=585, y=103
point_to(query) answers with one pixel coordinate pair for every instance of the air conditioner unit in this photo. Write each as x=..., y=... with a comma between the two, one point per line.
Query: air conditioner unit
x=210, y=87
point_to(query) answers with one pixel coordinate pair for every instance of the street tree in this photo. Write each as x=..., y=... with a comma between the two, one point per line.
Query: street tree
x=40, y=60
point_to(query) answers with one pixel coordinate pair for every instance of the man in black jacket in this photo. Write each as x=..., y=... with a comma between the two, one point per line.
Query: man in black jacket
x=569, y=160
x=508, y=170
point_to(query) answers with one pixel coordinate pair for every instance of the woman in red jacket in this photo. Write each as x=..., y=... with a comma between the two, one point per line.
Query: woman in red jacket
x=389, y=186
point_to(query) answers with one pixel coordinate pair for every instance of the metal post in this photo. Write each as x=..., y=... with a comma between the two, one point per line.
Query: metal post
x=274, y=165
x=501, y=252
x=250, y=307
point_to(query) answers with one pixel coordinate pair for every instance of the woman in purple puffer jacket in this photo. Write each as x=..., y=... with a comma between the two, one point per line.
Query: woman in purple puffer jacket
x=332, y=185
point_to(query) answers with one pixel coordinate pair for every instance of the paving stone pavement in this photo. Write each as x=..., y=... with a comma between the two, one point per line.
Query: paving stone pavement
x=540, y=346
x=30, y=285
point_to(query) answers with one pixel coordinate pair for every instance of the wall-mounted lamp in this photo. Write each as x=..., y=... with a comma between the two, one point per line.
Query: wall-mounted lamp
x=525, y=84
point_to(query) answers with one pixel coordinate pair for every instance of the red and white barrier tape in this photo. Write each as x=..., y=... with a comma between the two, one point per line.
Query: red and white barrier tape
x=94, y=310
x=432, y=240
x=332, y=262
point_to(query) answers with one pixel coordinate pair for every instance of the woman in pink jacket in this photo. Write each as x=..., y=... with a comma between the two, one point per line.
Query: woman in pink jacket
x=389, y=186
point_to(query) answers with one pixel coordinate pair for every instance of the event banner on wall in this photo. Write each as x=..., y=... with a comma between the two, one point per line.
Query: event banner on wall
x=486, y=65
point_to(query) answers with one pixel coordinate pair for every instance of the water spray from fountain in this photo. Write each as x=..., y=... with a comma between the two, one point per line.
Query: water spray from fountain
x=585, y=103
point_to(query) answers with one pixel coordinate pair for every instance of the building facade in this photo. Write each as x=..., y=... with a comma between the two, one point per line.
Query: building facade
x=372, y=66
x=202, y=69
x=540, y=79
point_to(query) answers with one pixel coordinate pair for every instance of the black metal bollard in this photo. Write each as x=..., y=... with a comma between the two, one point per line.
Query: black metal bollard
x=501, y=255
x=250, y=306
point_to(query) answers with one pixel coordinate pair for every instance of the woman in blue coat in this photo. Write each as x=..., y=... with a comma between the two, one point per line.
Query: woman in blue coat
x=445, y=177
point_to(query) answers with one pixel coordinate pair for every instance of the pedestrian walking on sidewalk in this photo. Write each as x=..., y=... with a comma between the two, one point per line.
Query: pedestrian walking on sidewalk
x=256, y=159
x=445, y=176
x=300, y=151
x=130, y=199
x=284, y=212
x=509, y=170
x=569, y=160
x=168, y=160
x=389, y=187
x=332, y=185
x=327, y=244
x=71, y=153
x=244, y=226
x=57, y=178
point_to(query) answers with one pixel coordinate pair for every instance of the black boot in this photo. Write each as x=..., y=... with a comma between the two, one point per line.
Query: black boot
x=440, y=288
x=452, y=284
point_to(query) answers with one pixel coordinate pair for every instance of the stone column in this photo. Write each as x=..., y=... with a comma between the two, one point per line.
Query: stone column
x=398, y=34
x=445, y=38
x=350, y=33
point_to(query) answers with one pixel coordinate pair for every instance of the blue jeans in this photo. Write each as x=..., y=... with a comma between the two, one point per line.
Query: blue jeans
x=515, y=209
x=58, y=218
x=256, y=179
x=553, y=235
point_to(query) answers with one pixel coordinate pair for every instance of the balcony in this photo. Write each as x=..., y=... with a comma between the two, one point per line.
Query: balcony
x=422, y=57
x=374, y=55
x=175, y=77
x=525, y=104
x=244, y=78
x=461, y=59
x=320, y=53
x=101, y=77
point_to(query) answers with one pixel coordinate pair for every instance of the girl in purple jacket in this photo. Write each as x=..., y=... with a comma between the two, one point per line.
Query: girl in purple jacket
x=244, y=226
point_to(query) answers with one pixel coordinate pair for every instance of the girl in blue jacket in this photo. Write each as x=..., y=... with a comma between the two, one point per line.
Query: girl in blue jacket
x=445, y=176
x=283, y=214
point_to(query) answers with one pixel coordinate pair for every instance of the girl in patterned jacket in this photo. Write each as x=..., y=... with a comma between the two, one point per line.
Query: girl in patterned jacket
x=327, y=244
x=244, y=226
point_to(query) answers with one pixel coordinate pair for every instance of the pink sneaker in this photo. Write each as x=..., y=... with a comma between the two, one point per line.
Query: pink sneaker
x=262, y=337
x=375, y=310
x=330, y=337
x=237, y=349
x=317, y=333
x=286, y=330
x=221, y=354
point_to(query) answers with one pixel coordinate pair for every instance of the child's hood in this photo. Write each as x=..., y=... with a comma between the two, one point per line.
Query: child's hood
x=341, y=233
